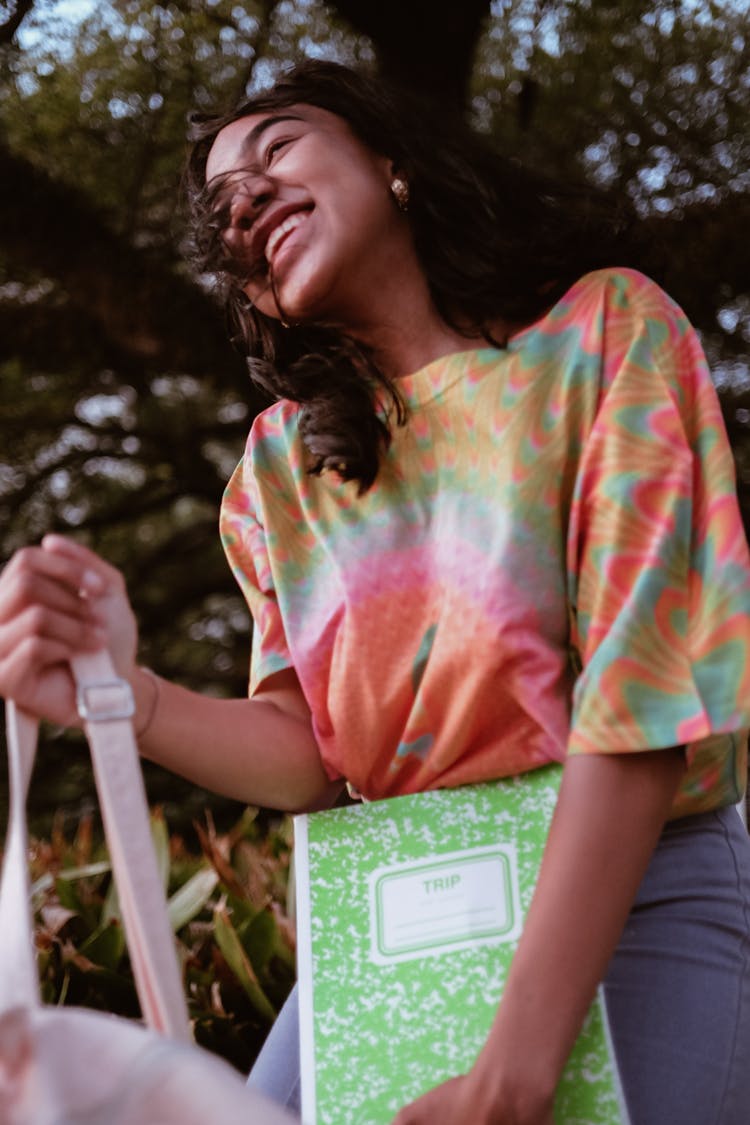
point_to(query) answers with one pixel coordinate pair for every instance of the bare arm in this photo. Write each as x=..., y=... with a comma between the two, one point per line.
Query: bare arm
x=60, y=599
x=608, y=819
x=261, y=750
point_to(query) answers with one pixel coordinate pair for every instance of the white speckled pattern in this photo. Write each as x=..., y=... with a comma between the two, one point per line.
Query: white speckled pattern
x=386, y=1032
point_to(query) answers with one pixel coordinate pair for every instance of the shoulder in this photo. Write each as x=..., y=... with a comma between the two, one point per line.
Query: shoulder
x=618, y=312
x=602, y=318
x=276, y=421
x=272, y=445
x=274, y=436
x=622, y=293
x=649, y=356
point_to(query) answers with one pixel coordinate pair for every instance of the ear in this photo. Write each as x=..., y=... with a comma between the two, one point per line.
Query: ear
x=384, y=168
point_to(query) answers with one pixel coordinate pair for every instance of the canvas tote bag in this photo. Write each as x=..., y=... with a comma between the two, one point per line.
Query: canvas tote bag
x=72, y=1065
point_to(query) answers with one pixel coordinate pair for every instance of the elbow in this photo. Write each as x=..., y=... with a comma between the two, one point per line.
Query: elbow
x=314, y=798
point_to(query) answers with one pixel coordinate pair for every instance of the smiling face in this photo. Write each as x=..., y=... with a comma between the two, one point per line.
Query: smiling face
x=306, y=212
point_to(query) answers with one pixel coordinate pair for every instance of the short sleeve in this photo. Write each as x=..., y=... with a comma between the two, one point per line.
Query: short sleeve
x=657, y=560
x=243, y=537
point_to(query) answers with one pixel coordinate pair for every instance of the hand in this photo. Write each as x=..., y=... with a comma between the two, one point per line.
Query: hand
x=57, y=600
x=469, y=1098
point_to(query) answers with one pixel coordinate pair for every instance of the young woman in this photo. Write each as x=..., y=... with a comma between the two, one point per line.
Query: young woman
x=489, y=523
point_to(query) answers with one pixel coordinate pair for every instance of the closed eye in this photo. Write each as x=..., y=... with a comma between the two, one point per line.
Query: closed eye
x=274, y=148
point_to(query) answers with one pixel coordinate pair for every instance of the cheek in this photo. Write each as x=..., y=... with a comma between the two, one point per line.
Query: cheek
x=261, y=295
x=363, y=200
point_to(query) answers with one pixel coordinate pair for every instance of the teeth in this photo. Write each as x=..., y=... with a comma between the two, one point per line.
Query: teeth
x=283, y=229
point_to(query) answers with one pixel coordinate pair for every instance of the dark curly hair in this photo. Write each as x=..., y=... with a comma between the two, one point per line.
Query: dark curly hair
x=495, y=241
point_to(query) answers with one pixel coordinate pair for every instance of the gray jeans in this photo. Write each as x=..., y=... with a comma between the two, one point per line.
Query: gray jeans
x=677, y=988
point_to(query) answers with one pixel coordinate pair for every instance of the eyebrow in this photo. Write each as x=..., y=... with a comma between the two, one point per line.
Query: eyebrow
x=258, y=130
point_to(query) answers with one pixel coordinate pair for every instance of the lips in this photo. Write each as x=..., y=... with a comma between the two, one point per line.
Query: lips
x=279, y=233
x=275, y=227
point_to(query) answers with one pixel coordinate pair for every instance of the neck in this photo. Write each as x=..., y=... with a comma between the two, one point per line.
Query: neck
x=391, y=311
x=404, y=330
x=403, y=348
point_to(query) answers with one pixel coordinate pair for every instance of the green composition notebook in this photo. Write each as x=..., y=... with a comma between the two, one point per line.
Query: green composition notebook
x=408, y=914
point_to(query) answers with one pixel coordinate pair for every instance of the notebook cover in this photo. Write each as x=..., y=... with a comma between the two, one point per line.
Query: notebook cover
x=408, y=913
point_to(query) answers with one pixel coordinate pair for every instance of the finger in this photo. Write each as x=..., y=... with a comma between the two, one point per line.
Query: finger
x=26, y=586
x=31, y=656
x=30, y=588
x=43, y=623
x=437, y=1104
x=63, y=598
x=31, y=562
x=32, y=663
x=410, y=1114
x=91, y=564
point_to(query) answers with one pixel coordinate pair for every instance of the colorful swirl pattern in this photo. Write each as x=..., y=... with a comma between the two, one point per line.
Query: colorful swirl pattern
x=551, y=561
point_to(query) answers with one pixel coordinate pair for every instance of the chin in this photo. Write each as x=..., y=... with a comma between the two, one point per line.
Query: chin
x=305, y=289
x=299, y=304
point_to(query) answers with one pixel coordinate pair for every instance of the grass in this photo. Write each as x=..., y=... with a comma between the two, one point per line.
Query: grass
x=229, y=908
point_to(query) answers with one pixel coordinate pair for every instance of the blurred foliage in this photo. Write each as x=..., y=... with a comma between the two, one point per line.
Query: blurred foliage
x=650, y=97
x=123, y=407
x=112, y=120
x=228, y=908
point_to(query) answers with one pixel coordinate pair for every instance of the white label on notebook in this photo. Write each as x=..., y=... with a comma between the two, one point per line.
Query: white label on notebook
x=444, y=903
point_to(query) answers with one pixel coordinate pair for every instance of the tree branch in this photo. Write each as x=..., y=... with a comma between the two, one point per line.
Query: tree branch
x=420, y=45
x=10, y=27
x=145, y=307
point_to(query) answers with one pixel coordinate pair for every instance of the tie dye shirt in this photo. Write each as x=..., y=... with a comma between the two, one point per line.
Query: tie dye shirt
x=550, y=562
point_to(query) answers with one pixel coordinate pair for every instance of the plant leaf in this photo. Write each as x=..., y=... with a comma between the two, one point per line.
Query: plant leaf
x=190, y=899
x=160, y=837
x=212, y=850
x=87, y=871
x=259, y=938
x=105, y=946
x=230, y=945
x=68, y=895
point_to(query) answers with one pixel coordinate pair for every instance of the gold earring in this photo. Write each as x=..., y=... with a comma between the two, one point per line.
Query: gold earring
x=400, y=192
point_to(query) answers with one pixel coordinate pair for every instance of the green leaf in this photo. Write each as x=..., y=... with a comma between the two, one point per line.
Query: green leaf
x=111, y=909
x=230, y=945
x=86, y=871
x=160, y=837
x=68, y=895
x=39, y=889
x=190, y=899
x=105, y=946
x=242, y=910
x=259, y=938
x=64, y=989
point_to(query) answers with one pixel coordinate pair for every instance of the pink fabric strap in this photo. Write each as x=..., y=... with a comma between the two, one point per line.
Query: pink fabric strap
x=105, y=702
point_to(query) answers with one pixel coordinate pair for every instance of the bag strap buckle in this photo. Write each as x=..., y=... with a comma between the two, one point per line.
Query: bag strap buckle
x=105, y=701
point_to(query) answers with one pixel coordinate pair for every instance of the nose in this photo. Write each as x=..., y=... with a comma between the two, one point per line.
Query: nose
x=249, y=199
